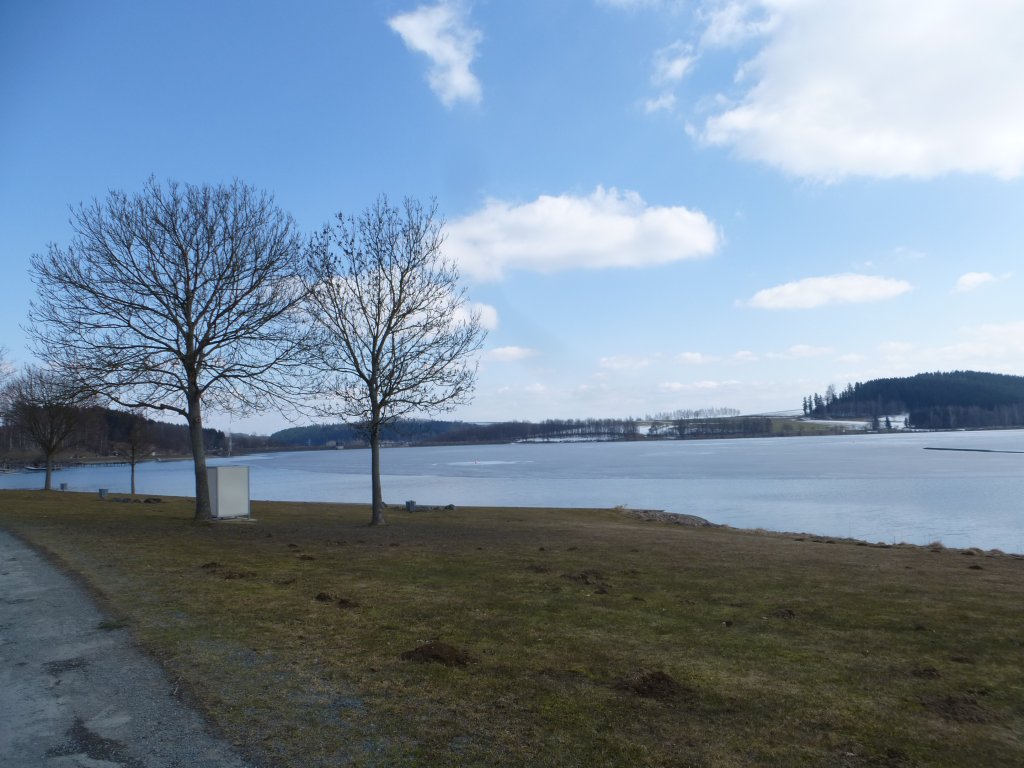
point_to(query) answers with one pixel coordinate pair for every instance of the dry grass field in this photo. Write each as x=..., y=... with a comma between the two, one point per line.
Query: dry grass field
x=542, y=637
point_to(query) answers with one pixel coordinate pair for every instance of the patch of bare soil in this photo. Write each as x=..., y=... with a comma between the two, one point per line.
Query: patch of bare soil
x=590, y=578
x=213, y=567
x=653, y=684
x=330, y=597
x=436, y=652
x=239, y=574
x=926, y=673
x=961, y=708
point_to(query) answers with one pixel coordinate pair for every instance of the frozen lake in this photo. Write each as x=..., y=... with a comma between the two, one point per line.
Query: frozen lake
x=887, y=488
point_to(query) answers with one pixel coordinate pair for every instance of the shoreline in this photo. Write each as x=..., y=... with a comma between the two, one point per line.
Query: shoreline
x=695, y=521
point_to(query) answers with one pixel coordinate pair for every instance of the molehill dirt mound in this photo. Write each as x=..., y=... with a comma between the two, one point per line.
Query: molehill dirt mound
x=331, y=597
x=215, y=568
x=653, y=684
x=436, y=652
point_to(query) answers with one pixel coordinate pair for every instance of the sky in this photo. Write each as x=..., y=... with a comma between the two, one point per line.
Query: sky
x=654, y=204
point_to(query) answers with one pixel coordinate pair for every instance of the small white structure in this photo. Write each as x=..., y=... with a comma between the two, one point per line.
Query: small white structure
x=229, y=491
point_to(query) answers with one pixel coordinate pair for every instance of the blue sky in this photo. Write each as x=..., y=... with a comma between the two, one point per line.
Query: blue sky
x=656, y=204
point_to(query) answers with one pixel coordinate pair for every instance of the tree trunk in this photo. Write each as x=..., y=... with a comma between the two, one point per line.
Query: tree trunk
x=377, y=515
x=48, y=481
x=133, y=474
x=195, y=433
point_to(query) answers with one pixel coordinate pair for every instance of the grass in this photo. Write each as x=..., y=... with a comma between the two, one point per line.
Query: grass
x=594, y=639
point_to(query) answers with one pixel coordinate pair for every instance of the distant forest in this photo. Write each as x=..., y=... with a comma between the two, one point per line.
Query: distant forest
x=106, y=432
x=685, y=425
x=954, y=400
x=427, y=432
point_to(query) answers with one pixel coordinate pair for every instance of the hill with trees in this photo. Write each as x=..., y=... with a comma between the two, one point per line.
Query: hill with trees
x=953, y=400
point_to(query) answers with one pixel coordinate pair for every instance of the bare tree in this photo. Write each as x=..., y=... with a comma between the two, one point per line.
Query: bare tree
x=48, y=408
x=136, y=443
x=393, y=331
x=6, y=429
x=178, y=299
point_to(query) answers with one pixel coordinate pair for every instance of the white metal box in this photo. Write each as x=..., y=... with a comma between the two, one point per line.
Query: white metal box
x=229, y=491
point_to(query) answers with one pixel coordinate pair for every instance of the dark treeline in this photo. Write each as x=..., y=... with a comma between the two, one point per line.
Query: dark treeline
x=551, y=429
x=108, y=433
x=733, y=426
x=428, y=432
x=958, y=399
x=349, y=435
x=451, y=433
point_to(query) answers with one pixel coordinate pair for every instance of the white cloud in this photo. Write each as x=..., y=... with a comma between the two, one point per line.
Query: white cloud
x=672, y=63
x=509, y=354
x=833, y=289
x=696, y=386
x=989, y=346
x=634, y=5
x=623, y=363
x=553, y=233
x=908, y=254
x=443, y=33
x=895, y=350
x=744, y=355
x=997, y=347
x=876, y=88
x=664, y=103
x=801, y=352
x=694, y=358
x=973, y=280
x=734, y=22
x=535, y=389
x=488, y=315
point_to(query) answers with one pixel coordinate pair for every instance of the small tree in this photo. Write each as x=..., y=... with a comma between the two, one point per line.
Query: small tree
x=393, y=334
x=136, y=442
x=176, y=299
x=47, y=407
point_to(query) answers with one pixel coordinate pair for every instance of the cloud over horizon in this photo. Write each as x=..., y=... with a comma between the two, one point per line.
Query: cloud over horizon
x=605, y=229
x=509, y=354
x=442, y=32
x=814, y=292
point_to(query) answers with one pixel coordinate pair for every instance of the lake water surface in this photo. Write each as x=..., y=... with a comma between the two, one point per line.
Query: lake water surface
x=876, y=487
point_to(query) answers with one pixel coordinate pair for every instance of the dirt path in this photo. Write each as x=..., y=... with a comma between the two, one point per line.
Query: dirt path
x=74, y=694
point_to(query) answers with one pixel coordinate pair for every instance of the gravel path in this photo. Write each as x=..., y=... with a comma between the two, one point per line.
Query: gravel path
x=75, y=695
